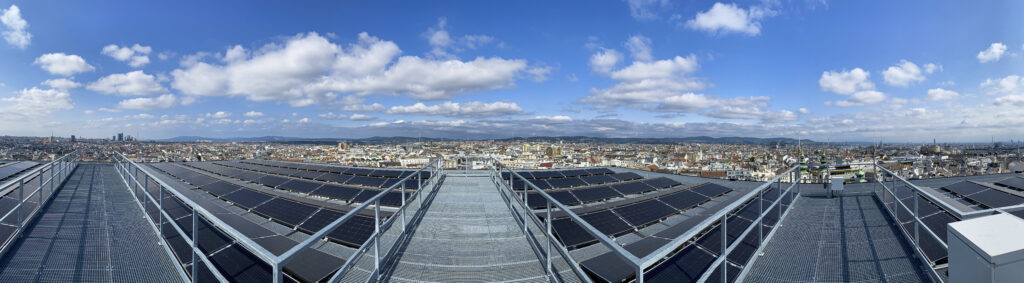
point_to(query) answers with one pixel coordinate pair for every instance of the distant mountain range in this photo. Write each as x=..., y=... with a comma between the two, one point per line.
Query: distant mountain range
x=569, y=139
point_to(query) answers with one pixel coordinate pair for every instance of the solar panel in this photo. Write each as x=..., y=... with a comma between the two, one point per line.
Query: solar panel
x=965, y=188
x=319, y=220
x=685, y=266
x=240, y=265
x=393, y=198
x=626, y=176
x=993, y=198
x=570, y=233
x=547, y=174
x=534, y=200
x=273, y=181
x=684, y=200
x=937, y=223
x=563, y=197
x=632, y=188
x=337, y=178
x=593, y=194
x=285, y=211
x=574, y=173
x=354, y=232
x=209, y=238
x=607, y=222
x=645, y=212
x=600, y=171
x=541, y=184
x=566, y=182
x=598, y=179
x=220, y=188
x=247, y=198
x=608, y=267
x=661, y=182
x=336, y=192
x=932, y=249
x=312, y=265
x=387, y=173
x=301, y=186
x=366, y=181
x=364, y=196
x=1016, y=183
x=745, y=249
x=711, y=189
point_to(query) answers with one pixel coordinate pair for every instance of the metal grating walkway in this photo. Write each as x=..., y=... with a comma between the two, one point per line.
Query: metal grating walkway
x=466, y=235
x=847, y=239
x=92, y=232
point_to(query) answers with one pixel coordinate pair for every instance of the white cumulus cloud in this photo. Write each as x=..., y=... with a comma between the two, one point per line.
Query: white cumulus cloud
x=309, y=69
x=63, y=64
x=127, y=84
x=640, y=47
x=253, y=114
x=62, y=83
x=942, y=94
x=904, y=73
x=135, y=55
x=728, y=18
x=455, y=109
x=146, y=103
x=993, y=53
x=34, y=103
x=605, y=60
x=845, y=82
x=15, y=29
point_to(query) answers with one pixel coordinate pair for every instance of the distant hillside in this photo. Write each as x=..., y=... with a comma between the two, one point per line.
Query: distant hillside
x=570, y=139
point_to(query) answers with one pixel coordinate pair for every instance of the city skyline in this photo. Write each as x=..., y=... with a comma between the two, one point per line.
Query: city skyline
x=865, y=71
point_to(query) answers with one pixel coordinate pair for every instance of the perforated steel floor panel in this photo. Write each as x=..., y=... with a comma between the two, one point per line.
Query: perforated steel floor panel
x=847, y=239
x=92, y=232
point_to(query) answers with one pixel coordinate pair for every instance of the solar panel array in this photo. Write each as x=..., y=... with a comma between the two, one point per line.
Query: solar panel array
x=15, y=168
x=345, y=193
x=983, y=195
x=288, y=212
x=231, y=258
x=10, y=200
x=581, y=195
x=1014, y=183
x=625, y=216
x=691, y=261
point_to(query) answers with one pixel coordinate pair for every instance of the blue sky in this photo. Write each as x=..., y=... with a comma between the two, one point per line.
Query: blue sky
x=839, y=70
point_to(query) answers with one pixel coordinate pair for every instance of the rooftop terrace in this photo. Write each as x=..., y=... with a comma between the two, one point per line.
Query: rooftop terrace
x=266, y=221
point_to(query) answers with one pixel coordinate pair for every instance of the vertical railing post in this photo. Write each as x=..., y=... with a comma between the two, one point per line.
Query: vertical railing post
x=725, y=244
x=376, y=239
x=21, y=200
x=195, y=245
x=760, y=221
x=160, y=212
x=917, y=222
x=547, y=219
x=404, y=209
x=53, y=175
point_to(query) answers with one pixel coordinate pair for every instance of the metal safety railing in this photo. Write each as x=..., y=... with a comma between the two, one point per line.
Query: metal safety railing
x=55, y=172
x=525, y=217
x=129, y=171
x=641, y=264
x=914, y=235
